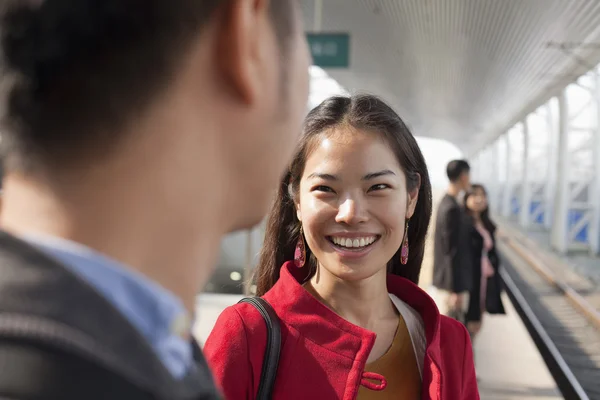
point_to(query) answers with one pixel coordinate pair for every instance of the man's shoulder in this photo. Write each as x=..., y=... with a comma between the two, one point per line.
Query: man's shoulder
x=38, y=369
x=447, y=204
x=447, y=199
x=52, y=310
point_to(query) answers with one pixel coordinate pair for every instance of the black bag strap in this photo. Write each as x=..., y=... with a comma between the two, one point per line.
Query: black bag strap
x=273, y=349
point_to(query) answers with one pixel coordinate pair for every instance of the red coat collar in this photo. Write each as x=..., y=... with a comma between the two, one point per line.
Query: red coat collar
x=298, y=308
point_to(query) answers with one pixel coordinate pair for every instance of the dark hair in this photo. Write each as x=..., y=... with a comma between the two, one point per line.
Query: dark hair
x=456, y=168
x=75, y=72
x=364, y=112
x=485, y=214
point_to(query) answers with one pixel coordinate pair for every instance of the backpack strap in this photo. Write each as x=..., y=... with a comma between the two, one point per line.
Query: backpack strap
x=273, y=349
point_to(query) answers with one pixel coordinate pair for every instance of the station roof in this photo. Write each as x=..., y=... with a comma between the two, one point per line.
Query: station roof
x=462, y=70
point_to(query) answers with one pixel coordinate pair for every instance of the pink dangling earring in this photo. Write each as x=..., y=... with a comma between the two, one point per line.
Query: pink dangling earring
x=404, y=250
x=300, y=252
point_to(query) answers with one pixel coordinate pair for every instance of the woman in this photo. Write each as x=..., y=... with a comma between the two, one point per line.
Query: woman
x=342, y=256
x=486, y=286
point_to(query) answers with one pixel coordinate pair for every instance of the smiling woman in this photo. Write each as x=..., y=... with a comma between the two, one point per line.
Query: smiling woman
x=353, y=189
x=362, y=136
x=342, y=254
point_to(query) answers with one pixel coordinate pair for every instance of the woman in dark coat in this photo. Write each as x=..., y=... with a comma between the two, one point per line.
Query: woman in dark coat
x=486, y=286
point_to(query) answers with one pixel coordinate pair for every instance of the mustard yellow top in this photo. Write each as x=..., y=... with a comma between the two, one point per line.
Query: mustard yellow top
x=399, y=367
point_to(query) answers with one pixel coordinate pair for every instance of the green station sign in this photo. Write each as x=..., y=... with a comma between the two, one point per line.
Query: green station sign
x=330, y=50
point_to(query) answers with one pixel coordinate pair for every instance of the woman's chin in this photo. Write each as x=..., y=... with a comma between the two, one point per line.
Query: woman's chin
x=353, y=273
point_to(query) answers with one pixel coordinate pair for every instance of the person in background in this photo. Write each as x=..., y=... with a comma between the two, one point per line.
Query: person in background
x=486, y=288
x=451, y=269
x=135, y=134
x=340, y=264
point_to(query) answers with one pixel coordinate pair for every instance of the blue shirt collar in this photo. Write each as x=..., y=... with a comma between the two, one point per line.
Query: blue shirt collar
x=156, y=312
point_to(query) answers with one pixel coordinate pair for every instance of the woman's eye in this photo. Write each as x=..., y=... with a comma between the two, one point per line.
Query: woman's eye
x=380, y=186
x=322, y=188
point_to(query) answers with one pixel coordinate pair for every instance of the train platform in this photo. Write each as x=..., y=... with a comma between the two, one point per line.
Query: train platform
x=559, y=306
x=508, y=364
x=208, y=308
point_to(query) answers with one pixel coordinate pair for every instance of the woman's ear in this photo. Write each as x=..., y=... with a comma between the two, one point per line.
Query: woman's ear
x=413, y=196
x=296, y=199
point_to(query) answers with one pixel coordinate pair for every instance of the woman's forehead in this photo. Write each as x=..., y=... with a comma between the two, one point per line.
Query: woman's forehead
x=352, y=146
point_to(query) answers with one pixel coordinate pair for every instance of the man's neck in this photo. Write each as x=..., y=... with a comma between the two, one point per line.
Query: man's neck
x=144, y=235
x=453, y=190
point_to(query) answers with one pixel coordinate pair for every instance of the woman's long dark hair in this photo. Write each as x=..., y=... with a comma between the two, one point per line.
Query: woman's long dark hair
x=364, y=112
x=487, y=222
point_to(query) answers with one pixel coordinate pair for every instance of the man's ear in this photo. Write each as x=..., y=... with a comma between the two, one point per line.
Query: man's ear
x=243, y=48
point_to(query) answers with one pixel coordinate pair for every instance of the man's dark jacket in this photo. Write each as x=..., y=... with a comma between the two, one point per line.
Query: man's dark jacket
x=451, y=264
x=60, y=339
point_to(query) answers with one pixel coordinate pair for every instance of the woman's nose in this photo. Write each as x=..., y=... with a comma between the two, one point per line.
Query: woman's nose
x=351, y=212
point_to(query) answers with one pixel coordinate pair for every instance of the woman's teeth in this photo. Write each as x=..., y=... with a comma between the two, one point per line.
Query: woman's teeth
x=354, y=242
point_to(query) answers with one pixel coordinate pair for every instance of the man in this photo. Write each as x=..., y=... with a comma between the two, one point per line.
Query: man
x=451, y=272
x=136, y=133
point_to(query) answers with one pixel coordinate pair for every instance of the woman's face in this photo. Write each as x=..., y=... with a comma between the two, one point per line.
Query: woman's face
x=353, y=203
x=477, y=201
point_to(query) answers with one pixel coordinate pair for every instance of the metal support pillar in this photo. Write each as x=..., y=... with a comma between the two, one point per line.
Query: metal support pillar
x=248, y=264
x=594, y=232
x=480, y=168
x=524, y=215
x=494, y=184
x=551, y=152
x=560, y=224
x=499, y=175
x=487, y=162
x=508, y=189
x=318, y=16
x=474, y=163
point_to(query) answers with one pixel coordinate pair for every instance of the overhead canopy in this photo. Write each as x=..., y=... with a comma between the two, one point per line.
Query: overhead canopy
x=462, y=70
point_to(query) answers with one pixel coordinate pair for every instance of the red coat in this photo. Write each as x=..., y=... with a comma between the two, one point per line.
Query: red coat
x=323, y=355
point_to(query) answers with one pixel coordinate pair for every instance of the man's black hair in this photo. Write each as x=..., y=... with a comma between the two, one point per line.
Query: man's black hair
x=75, y=73
x=456, y=168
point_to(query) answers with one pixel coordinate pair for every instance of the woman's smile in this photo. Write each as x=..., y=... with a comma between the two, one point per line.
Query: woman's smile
x=356, y=243
x=354, y=246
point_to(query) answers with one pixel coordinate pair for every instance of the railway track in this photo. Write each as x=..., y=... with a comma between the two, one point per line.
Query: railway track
x=563, y=322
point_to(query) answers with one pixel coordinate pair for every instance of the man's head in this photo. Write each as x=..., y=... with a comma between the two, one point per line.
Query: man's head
x=459, y=174
x=180, y=91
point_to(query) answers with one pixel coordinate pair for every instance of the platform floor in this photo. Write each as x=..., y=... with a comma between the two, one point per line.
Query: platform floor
x=508, y=365
x=208, y=309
